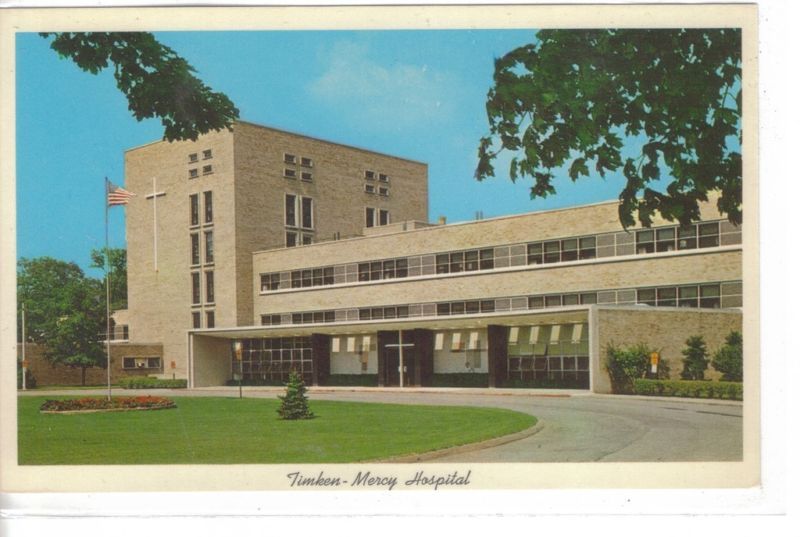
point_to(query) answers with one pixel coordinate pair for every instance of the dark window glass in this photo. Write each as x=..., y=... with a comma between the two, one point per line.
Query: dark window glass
x=327, y=276
x=709, y=296
x=569, y=250
x=487, y=259
x=288, y=172
x=665, y=239
x=291, y=214
x=552, y=301
x=588, y=298
x=442, y=264
x=207, y=169
x=471, y=260
x=319, y=316
x=375, y=270
x=709, y=235
x=687, y=237
x=535, y=302
x=195, y=287
x=308, y=317
x=443, y=308
x=330, y=316
x=195, y=249
x=552, y=252
x=570, y=300
x=364, y=314
x=457, y=262
x=206, y=153
x=195, y=319
x=687, y=296
x=307, y=239
x=667, y=296
x=288, y=158
x=194, y=201
x=487, y=306
x=297, y=279
x=209, y=205
x=209, y=319
x=389, y=312
x=307, y=278
x=307, y=213
x=644, y=242
x=401, y=269
x=192, y=157
x=370, y=217
x=377, y=313
x=646, y=296
x=384, y=216
x=209, y=236
x=306, y=176
x=402, y=312
x=588, y=248
x=535, y=254
x=473, y=306
x=291, y=239
x=388, y=269
x=363, y=272
x=209, y=286
x=456, y=308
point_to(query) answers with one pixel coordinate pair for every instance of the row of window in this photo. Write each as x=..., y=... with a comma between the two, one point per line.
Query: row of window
x=194, y=173
x=209, y=287
x=705, y=235
x=194, y=208
x=147, y=362
x=208, y=241
x=705, y=295
x=381, y=190
x=292, y=174
x=197, y=319
x=291, y=159
x=275, y=358
x=206, y=155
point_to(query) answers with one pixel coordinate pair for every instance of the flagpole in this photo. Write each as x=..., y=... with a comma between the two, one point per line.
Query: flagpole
x=108, y=300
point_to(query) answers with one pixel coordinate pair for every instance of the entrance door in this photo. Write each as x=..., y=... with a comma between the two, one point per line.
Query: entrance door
x=391, y=356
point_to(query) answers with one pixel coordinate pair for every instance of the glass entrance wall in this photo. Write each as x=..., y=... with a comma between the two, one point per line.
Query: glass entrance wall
x=549, y=355
x=270, y=360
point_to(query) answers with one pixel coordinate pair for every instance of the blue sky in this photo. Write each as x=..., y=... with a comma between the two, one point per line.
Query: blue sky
x=416, y=94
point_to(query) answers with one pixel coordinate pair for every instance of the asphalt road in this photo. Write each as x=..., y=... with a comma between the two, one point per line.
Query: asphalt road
x=580, y=428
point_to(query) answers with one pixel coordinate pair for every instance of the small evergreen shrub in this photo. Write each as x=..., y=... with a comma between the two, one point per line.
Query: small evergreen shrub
x=626, y=364
x=294, y=405
x=728, y=359
x=130, y=383
x=695, y=359
x=704, y=389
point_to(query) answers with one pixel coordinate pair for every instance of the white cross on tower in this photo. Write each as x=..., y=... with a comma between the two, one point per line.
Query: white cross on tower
x=154, y=195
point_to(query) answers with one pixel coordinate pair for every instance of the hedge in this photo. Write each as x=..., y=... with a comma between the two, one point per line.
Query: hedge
x=704, y=389
x=255, y=382
x=130, y=383
x=546, y=384
x=460, y=380
x=351, y=380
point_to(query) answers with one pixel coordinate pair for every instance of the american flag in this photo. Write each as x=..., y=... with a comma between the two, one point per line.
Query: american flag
x=117, y=195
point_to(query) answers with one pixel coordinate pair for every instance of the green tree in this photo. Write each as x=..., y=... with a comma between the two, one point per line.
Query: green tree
x=294, y=405
x=156, y=81
x=65, y=312
x=728, y=360
x=625, y=364
x=581, y=98
x=119, y=274
x=695, y=359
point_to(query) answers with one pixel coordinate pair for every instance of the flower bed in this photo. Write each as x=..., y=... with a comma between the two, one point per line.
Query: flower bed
x=97, y=404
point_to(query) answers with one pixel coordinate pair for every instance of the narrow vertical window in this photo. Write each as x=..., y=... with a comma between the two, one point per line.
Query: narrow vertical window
x=290, y=210
x=370, y=214
x=384, y=217
x=209, y=286
x=194, y=200
x=195, y=287
x=209, y=319
x=291, y=238
x=207, y=200
x=195, y=249
x=209, y=236
x=195, y=319
x=307, y=212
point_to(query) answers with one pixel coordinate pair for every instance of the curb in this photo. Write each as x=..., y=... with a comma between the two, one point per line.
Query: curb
x=476, y=446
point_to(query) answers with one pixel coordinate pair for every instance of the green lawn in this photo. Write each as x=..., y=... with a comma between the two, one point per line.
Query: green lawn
x=206, y=430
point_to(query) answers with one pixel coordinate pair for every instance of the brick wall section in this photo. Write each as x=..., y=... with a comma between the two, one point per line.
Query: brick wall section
x=47, y=374
x=665, y=329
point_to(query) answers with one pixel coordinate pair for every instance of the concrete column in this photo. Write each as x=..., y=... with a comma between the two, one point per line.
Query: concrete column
x=320, y=358
x=498, y=354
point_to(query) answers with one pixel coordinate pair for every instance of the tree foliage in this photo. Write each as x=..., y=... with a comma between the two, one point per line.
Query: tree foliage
x=118, y=275
x=626, y=364
x=65, y=311
x=581, y=99
x=728, y=360
x=294, y=404
x=156, y=81
x=695, y=359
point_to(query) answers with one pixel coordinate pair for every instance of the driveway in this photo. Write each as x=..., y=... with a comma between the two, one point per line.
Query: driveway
x=575, y=428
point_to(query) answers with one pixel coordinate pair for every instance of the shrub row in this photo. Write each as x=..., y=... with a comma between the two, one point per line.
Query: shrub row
x=351, y=380
x=97, y=403
x=546, y=384
x=130, y=383
x=255, y=382
x=705, y=389
x=460, y=380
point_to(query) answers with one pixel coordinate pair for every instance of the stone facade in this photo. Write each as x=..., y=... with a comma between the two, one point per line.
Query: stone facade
x=247, y=182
